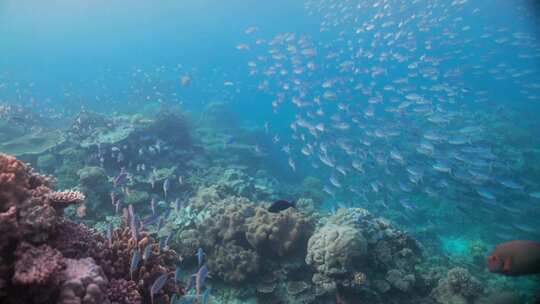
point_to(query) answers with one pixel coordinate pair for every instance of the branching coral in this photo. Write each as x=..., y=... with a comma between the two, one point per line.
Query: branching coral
x=57, y=261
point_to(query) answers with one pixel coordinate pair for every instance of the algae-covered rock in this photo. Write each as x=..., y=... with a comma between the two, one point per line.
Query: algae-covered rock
x=91, y=176
x=163, y=173
x=135, y=197
x=233, y=263
x=46, y=162
x=32, y=144
x=94, y=183
x=219, y=115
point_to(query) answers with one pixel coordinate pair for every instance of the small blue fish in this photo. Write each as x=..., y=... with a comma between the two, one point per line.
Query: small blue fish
x=134, y=227
x=206, y=295
x=131, y=212
x=153, y=206
x=174, y=298
x=187, y=300
x=200, y=256
x=228, y=141
x=110, y=233
x=161, y=244
x=135, y=259
x=151, y=219
x=190, y=283
x=177, y=274
x=117, y=206
x=121, y=178
x=147, y=252
x=168, y=238
x=200, y=278
x=157, y=286
x=166, y=185
x=177, y=205
x=160, y=224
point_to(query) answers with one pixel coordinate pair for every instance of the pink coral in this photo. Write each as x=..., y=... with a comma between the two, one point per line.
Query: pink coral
x=123, y=292
x=31, y=271
x=36, y=265
x=82, y=282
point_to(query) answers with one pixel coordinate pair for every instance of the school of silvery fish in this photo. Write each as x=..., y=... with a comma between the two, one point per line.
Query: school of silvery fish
x=401, y=100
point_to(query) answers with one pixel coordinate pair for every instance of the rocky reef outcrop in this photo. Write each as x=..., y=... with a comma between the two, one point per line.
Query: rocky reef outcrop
x=458, y=287
x=363, y=257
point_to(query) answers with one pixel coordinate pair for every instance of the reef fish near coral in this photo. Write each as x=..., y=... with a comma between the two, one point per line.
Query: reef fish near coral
x=166, y=185
x=157, y=286
x=200, y=277
x=135, y=259
x=280, y=205
x=121, y=178
x=200, y=256
x=515, y=258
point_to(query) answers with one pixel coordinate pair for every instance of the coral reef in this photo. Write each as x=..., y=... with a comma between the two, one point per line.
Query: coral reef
x=36, y=265
x=122, y=291
x=83, y=282
x=334, y=249
x=353, y=250
x=458, y=287
x=233, y=263
x=57, y=261
x=278, y=233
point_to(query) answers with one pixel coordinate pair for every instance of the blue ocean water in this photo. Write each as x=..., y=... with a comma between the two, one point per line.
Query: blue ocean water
x=422, y=112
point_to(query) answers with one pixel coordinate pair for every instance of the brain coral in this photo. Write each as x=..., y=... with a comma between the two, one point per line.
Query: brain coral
x=333, y=249
x=278, y=233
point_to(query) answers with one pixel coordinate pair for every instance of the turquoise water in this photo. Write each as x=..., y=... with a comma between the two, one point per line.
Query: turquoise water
x=422, y=112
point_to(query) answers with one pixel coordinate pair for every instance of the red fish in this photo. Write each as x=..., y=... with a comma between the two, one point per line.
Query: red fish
x=515, y=258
